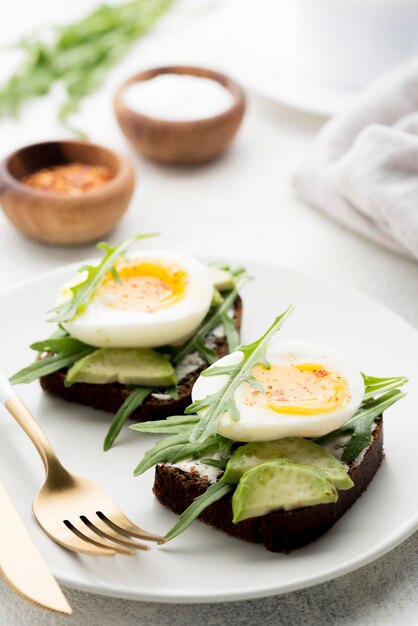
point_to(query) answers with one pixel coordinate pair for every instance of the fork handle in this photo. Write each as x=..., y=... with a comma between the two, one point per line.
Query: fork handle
x=16, y=407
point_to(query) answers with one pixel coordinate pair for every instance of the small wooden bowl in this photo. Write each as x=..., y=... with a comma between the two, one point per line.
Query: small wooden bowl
x=180, y=142
x=57, y=218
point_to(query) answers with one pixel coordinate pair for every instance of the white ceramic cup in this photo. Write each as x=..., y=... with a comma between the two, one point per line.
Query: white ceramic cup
x=350, y=42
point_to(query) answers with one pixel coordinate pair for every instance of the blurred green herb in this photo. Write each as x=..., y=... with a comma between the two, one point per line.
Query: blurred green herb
x=80, y=55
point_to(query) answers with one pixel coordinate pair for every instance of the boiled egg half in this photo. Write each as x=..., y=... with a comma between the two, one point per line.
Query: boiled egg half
x=156, y=298
x=308, y=391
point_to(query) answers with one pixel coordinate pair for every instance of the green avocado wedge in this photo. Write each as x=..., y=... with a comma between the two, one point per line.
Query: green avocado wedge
x=222, y=279
x=128, y=366
x=294, y=449
x=279, y=484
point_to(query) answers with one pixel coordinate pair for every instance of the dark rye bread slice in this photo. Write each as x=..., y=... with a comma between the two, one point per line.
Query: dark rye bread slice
x=110, y=397
x=279, y=531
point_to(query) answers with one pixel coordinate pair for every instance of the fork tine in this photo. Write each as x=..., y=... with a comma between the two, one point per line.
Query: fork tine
x=102, y=530
x=125, y=527
x=88, y=536
x=83, y=547
x=70, y=541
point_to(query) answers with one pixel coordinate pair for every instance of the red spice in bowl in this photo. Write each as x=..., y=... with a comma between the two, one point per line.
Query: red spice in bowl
x=73, y=179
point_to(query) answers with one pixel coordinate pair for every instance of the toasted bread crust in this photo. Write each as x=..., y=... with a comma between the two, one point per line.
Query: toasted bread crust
x=279, y=531
x=110, y=397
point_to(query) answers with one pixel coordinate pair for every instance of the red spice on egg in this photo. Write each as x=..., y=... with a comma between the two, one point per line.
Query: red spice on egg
x=321, y=373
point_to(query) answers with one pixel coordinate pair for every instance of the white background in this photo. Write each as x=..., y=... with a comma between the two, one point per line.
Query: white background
x=240, y=205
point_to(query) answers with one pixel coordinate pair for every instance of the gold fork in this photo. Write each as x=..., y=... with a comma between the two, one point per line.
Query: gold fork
x=75, y=512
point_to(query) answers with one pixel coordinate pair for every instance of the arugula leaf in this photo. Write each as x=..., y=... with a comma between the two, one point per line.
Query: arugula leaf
x=360, y=426
x=225, y=447
x=82, y=292
x=132, y=402
x=213, y=493
x=215, y=405
x=60, y=345
x=66, y=351
x=175, y=424
x=224, y=265
x=375, y=386
x=205, y=352
x=175, y=448
x=116, y=276
x=231, y=332
x=219, y=463
x=213, y=318
x=48, y=365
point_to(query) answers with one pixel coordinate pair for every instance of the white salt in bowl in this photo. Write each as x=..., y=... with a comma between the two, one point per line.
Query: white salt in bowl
x=350, y=42
x=169, y=136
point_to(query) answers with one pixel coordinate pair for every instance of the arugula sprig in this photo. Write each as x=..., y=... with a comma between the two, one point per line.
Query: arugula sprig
x=66, y=351
x=177, y=447
x=216, y=316
x=78, y=55
x=380, y=394
x=376, y=386
x=173, y=425
x=83, y=291
x=58, y=345
x=361, y=426
x=215, y=405
x=231, y=332
x=132, y=402
x=215, y=492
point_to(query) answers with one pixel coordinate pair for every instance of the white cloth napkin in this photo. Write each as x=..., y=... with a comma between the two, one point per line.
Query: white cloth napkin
x=363, y=170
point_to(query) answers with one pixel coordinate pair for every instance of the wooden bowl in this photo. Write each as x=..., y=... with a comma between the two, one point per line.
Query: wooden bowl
x=57, y=218
x=180, y=142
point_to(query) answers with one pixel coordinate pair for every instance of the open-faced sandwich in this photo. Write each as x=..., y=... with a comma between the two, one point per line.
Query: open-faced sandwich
x=280, y=440
x=134, y=332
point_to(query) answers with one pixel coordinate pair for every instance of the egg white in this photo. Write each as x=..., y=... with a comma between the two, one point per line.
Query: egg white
x=104, y=326
x=266, y=424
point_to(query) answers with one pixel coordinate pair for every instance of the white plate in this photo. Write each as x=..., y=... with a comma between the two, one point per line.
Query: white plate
x=203, y=564
x=260, y=50
x=287, y=85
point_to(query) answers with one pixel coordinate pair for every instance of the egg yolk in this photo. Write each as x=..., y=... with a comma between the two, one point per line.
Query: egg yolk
x=305, y=388
x=146, y=286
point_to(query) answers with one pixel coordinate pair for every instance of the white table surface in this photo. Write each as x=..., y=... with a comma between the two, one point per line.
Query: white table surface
x=241, y=204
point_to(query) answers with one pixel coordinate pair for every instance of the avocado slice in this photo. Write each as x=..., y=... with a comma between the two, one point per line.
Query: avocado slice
x=216, y=297
x=279, y=484
x=296, y=449
x=222, y=279
x=128, y=366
